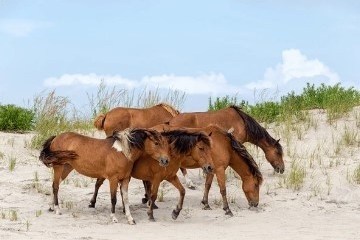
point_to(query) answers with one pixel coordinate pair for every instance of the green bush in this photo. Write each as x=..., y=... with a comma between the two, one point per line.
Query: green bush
x=336, y=100
x=14, y=118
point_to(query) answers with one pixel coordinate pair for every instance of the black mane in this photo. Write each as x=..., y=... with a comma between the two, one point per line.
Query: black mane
x=184, y=141
x=137, y=137
x=255, y=131
x=241, y=150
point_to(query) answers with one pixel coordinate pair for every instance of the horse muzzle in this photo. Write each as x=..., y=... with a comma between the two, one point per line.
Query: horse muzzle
x=207, y=168
x=164, y=161
x=253, y=204
x=279, y=169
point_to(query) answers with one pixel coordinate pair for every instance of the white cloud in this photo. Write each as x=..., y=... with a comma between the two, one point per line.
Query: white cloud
x=20, y=27
x=88, y=79
x=292, y=73
x=201, y=84
x=295, y=66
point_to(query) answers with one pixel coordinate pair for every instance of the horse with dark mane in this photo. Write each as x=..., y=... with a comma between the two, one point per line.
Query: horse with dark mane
x=226, y=151
x=246, y=129
x=120, y=118
x=184, y=145
x=112, y=158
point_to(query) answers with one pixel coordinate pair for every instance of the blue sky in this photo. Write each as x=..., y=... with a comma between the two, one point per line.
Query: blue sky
x=205, y=48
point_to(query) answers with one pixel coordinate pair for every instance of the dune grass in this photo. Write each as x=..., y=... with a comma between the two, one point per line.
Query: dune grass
x=336, y=100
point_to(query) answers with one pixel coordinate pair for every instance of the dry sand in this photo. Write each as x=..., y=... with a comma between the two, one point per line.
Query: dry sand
x=326, y=207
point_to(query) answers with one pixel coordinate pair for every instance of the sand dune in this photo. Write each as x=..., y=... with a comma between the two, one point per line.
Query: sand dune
x=326, y=206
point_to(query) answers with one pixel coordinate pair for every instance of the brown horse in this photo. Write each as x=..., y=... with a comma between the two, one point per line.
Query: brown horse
x=184, y=145
x=121, y=118
x=111, y=158
x=246, y=129
x=226, y=151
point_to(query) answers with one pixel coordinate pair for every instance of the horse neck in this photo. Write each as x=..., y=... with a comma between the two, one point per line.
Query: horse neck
x=240, y=167
x=263, y=143
x=135, y=154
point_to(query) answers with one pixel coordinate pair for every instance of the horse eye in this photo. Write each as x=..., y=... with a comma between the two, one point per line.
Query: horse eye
x=201, y=148
x=156, y=143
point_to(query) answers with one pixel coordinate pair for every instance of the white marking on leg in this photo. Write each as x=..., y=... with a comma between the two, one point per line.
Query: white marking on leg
x=188, y=181
x=113, y=218
x=127, y=207
x=57, y=210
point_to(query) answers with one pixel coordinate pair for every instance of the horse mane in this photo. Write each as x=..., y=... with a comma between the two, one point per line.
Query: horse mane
x=169, y=108
x=255, y=131
x=184, y=141
x=129, y=139
x=241, y=150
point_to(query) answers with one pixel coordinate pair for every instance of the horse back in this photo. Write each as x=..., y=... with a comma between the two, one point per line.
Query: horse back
x=121, y=118
x=225, y=118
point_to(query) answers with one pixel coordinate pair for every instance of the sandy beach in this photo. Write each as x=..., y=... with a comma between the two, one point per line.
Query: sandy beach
x=326, y=205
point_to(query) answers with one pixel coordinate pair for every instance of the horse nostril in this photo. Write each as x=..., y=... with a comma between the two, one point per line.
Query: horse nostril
x=210, y=169
x=253, y=204
x=164, y=161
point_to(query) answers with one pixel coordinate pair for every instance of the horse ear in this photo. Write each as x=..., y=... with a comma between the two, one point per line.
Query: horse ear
x=210, y=134
x=277, y=141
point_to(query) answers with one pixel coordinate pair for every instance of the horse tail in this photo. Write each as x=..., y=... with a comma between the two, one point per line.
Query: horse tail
x=99, y=121
x=50, y=158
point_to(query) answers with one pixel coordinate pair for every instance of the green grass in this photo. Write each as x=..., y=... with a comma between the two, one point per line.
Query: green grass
x=297, y=174
x=16, y=119
x=356, y=175
x=52, y=117
x=336, y=100
x=12, y=163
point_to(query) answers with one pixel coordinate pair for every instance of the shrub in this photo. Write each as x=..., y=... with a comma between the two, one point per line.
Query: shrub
x=336, y=100
x=14, y=118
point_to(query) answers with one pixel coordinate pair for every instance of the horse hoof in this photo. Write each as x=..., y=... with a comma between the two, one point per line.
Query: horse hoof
x=174, y=214
x=144, y=200
x=229, y=213
x=191, y=187
x=113, y=218
x=50, y=209
x=91, y=205
x=207, y=207
x=152, y=219
x=132, y=222
x=155, y=206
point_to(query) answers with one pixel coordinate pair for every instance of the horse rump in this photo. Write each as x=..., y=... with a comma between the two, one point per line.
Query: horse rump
x=50, y=158
x=99, y=122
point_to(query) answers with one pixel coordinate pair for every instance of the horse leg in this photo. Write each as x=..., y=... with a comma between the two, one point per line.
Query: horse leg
x=113, y=187
x=188, y=181
x=98, y=184
x=154, y=190
x=205, y=200
x=122, y=198
x=146, y=196
x=176, y=182
x=58, y=169
x=147, y=186
x=66, y=170
x=220, y=175
x=124, y=194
